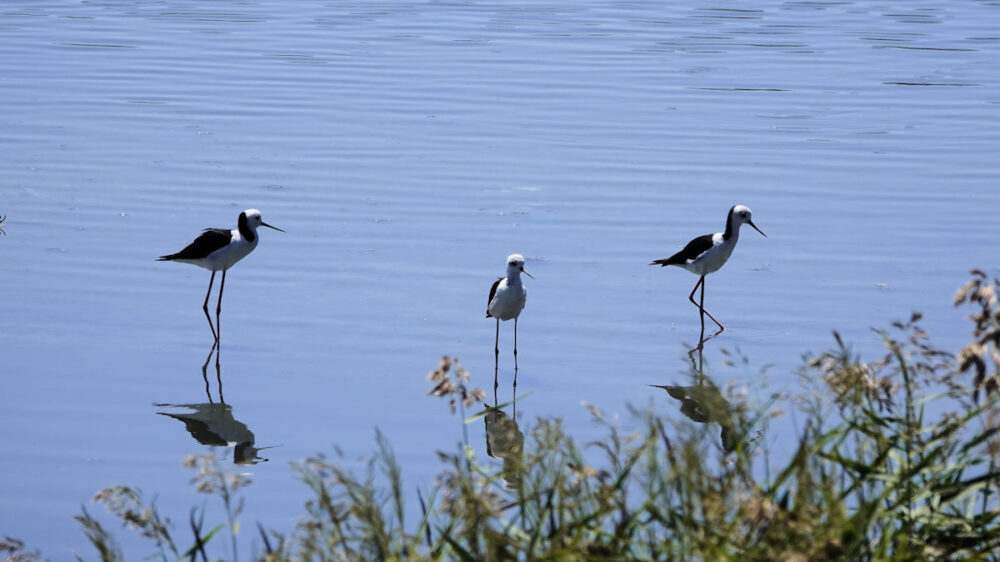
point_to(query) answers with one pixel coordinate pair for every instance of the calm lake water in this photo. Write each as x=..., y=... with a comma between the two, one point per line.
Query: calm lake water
x=407, y=149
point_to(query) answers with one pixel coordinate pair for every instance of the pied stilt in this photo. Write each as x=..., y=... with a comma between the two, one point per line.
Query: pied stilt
x=218, y=249
x=506, y=301
x=706, y=254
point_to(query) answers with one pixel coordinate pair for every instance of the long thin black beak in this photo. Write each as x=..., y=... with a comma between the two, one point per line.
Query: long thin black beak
x=526, y=273
x=757, y=229
x=262, y=223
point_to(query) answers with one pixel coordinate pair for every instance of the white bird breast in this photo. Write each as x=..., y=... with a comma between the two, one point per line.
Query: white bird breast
x=713, y=258
x=509, y=301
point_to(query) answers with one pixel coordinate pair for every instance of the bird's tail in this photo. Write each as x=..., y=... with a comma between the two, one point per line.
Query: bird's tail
x=662, y=263
x=166, y=258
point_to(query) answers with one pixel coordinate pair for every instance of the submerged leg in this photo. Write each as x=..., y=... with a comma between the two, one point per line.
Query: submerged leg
x=205, y=307
x=218, y=372
x=204, y=371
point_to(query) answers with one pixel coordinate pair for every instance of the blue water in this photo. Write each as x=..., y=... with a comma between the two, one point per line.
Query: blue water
x=407, y=149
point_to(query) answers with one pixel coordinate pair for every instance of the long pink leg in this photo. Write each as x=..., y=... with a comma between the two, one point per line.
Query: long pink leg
x=700, y=283
x=218, y=307
x=701, y=306
x=515, y=353
x=204, y=306
x=496, y=362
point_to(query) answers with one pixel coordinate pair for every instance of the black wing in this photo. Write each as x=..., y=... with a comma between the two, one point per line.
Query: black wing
x=695, y=248
x=209, y=241
x=199, y=430
x=493, y=292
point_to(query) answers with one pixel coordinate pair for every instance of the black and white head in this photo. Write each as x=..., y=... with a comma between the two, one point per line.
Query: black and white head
x=515, y=265
x=741, y=214
x=251, y=217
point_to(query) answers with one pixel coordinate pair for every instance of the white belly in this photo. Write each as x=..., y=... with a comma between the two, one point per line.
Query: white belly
x=509, y=301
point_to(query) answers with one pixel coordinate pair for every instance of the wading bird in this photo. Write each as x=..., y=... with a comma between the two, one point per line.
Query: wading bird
x=218, y=249
x=507, y=298
x=706, y=254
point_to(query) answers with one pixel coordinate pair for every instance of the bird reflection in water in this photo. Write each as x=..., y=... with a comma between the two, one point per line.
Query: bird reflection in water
x=212, y=423
x=505, y=441
x=703, y=402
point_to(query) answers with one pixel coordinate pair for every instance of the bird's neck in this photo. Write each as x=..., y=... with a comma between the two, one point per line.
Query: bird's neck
x=513, y=278
x=732, y=231
x=248, y=234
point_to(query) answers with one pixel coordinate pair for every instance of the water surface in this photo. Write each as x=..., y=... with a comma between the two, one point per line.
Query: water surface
x=407, y=149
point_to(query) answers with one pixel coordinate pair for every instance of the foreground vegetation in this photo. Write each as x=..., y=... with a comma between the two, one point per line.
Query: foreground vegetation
x=896, y=459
